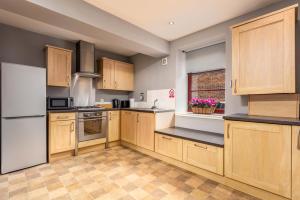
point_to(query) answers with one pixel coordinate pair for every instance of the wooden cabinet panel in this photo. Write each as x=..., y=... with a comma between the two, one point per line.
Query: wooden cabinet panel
x=107, y=70
x=263, y=55
x=145, y=130
x=62, y=136
x=58, y=66
x=62, y=116
x=124, y=76
x=128, y=126
x=113, y=126
x=203, y=156
x=296, y=163
x=168, y=146
x=260, y=155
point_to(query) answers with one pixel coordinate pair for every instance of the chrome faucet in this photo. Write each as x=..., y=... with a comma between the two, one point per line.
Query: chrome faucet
x=154, y=104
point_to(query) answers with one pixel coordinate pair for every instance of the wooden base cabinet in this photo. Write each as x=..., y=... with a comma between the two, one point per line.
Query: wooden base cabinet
x=113, y=126
x=203, y=156
x=61, y=132
x=296, y=163
x=259, y=154
x=168, y=146
x=128, y=126
x=138, y=128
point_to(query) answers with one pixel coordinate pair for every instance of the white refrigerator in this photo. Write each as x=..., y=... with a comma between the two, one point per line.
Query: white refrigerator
x=23, y=117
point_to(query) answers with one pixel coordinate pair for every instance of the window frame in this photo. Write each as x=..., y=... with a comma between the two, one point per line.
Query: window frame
x=190, y=84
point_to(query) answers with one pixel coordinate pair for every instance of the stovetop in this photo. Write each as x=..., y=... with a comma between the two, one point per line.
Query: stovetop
x=89, y=108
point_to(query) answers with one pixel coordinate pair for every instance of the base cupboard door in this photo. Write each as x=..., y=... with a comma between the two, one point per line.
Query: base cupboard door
x=259, y=154
x=128, y=126
x=296, y=163
x=145, y=130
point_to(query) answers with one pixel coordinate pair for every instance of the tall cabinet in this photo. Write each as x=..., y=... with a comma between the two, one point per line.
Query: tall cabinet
x=263, y=54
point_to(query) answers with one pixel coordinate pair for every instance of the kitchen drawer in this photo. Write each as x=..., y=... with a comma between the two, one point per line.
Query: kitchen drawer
x=203, y=156
x=168, y=146
x=62, y=116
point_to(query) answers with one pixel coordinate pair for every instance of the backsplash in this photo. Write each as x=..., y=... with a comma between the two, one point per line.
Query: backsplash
x=165, y=97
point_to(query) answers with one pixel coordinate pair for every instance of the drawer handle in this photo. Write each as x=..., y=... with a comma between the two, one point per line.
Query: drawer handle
x=228, y=131
x=202, y=147
x=298, y=144
x=62, y=117
x=166, y=138
x=72, y=126
x=235, y=86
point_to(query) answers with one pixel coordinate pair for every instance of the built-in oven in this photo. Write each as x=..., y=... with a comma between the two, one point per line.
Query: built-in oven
x=92, y=125
x=59, y=103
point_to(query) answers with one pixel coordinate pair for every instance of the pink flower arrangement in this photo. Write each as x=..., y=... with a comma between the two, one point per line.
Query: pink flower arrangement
x=204, y=103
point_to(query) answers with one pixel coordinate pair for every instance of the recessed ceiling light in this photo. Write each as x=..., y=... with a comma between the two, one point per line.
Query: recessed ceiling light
x=171, y=23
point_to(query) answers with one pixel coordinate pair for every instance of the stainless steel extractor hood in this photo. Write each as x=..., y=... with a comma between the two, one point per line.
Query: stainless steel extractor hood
x=85, y=60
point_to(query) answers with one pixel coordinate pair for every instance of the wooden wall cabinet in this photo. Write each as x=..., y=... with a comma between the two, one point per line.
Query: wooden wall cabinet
x=203, y=156
x=113, y=126
x=296, y=163
x=116, y=75
x=168, y=146
x=259, y=154
x=263, y=54
x=59, y=63
x=61, y=132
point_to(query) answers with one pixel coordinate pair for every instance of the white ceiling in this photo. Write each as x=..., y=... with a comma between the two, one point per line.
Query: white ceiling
x=188, y=15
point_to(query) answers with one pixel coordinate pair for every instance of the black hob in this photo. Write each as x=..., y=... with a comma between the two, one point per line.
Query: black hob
x=88, y=108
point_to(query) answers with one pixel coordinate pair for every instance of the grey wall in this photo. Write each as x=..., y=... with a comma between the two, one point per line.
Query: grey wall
x=151, y=75
x=206, y=59
x=28, y=48
x=206, y=37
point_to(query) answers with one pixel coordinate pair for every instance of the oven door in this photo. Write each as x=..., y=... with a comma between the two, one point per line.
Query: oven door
x=92, y=128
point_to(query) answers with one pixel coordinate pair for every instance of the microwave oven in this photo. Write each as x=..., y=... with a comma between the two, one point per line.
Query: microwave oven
x=57, y=103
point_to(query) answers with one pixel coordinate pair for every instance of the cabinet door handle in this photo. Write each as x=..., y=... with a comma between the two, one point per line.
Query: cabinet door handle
x=202, y=147
x=137, y=119
x=228, y=136
x=62, y=117
x=298, y=143
x=166, y=138
x=235, y=86
x=72, y=126
x=110, y=116
x=116, y=84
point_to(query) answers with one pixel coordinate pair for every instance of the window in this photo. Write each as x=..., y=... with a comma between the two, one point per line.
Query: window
x=207, y=84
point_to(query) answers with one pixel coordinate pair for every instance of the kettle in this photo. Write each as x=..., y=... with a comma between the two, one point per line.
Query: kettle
x=116, y=103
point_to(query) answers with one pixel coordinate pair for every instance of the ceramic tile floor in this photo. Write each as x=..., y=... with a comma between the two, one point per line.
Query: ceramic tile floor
x=116, y=173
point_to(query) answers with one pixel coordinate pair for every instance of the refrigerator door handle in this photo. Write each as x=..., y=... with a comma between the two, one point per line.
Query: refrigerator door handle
x=20, y=117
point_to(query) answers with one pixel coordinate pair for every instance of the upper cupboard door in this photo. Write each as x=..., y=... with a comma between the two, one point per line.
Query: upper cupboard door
x=124, y=76
x=263, y=55
x=59, y=67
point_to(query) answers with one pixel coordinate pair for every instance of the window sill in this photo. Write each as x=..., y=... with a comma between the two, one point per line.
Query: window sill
x=201, y=116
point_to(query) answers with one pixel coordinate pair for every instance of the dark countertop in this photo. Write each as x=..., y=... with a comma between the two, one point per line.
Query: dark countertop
x=149, y=110
x=210, y=138
x=263, y=119
x=112, y=109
